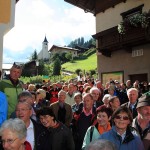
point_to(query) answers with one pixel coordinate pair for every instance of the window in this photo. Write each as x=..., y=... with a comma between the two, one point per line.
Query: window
x=136, y=53
x=131, y=12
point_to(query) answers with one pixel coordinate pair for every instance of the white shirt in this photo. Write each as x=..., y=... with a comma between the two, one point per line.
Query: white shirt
x=30, y=134
x=122, y=136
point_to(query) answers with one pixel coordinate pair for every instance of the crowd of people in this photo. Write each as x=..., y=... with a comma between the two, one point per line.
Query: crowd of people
x=74, y=115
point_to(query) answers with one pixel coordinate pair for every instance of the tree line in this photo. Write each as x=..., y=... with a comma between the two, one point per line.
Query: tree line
x=81, y=42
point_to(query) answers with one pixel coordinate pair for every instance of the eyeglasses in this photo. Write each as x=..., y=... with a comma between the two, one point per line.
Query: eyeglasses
x=122, y=117
x=8, y=141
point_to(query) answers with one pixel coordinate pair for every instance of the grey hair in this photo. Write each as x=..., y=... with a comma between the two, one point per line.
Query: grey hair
x=15, y=125
x=101, y=144
x=25, y=94
x=62, y=91
x=27, y=104
x=106, y=96
x=94, y=88
x=132, y=89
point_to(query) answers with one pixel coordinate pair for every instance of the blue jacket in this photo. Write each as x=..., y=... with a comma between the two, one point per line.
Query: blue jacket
x=3, y=107
x=130, y=142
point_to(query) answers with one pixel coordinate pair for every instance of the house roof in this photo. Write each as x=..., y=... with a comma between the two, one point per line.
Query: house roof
x=94, y=6
x=67, y=48
x=6, y=66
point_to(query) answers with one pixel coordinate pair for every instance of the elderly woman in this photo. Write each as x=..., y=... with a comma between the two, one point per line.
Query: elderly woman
x=101, y=145
x=114, y=102
x=106, y=99
x=77, y=99
x=40, y=99
x=93, y=132
x=121, y=133
x=13, y=135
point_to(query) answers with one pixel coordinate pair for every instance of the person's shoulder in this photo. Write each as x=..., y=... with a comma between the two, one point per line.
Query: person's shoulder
x=134, y=132
x=4, y=81
x=68, y=105
x=54, y=104
x=125, y=104
x=91, y=128
x=64, y=127
x=37, y=124
x=3, y=95
x=105, y=135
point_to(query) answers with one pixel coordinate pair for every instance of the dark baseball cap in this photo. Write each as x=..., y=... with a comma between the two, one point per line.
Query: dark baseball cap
x=144, y=100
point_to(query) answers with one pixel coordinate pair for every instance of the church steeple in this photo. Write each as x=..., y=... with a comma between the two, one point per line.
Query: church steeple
x=45, y=44
x=45, y=40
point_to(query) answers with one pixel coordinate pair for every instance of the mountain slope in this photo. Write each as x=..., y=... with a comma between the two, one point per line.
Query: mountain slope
x=87, y=64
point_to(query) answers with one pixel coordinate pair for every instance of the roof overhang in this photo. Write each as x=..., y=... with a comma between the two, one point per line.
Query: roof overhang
x=86, y=5
x=94, y=6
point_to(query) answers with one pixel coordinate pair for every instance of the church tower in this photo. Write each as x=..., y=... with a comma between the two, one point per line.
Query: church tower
x=44, y=54
x=45, y=45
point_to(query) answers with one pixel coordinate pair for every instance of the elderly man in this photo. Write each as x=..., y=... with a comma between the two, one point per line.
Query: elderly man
x=35, y=131
x=95, y=93
x=142, y=122
x=61, y=109
x=132, y=94
x=70, y=94
x=25, y=96
x=83, y=120
x=12, y=87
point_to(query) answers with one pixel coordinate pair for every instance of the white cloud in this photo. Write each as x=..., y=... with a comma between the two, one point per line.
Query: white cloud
x=37, y=18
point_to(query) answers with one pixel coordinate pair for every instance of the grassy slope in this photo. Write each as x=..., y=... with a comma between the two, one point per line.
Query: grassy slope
x=88, y=64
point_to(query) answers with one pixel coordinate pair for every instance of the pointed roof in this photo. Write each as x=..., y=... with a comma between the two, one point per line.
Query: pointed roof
x=45, y=40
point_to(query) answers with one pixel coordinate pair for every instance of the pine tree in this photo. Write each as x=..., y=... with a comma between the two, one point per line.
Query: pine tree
x=57, y=67
x=34, y=55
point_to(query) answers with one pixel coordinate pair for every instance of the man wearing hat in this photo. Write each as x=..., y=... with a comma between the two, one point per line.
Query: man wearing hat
x=142, y=122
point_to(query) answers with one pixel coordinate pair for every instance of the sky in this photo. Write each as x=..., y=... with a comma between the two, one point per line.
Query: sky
x=58, y=20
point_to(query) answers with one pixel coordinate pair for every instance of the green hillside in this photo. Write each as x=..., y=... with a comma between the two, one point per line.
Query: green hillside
x=87, y=64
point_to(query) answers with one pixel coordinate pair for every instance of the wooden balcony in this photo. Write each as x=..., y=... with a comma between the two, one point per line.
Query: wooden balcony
x=110, y=40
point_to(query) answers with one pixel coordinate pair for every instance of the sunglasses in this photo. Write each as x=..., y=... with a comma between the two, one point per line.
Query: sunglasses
x=122, y=117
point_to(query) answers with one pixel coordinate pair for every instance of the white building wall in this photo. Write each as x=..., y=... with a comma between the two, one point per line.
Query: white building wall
x=111, y=17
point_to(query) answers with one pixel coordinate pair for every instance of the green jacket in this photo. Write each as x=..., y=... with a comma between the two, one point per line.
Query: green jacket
x=11, y=92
